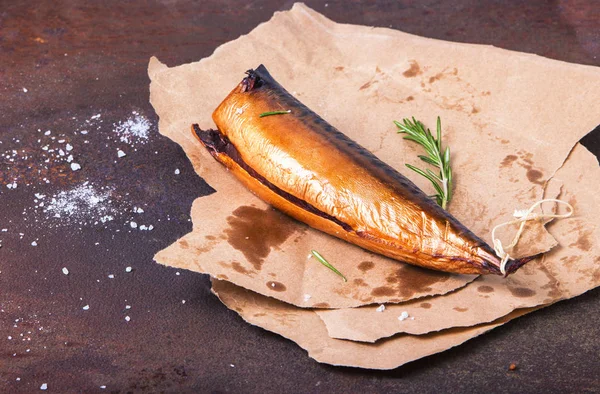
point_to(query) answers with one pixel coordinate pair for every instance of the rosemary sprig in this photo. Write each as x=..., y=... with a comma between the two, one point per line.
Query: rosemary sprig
x=322, y=260
x=442, y=182
x=274, y=113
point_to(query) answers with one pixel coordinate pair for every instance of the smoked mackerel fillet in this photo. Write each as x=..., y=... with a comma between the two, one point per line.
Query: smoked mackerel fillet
x=303, y=166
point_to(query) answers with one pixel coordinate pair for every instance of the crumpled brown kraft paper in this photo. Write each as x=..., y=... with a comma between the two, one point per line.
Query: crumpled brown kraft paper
x=564, y=272
x=501, y=113
x=304, y=327
x=574, y=268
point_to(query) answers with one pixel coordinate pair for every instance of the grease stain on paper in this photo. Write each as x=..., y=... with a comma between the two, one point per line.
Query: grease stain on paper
x=365, y=266
x=276, y=286
x=408, y=281
x=413, y=71
x=254, y=232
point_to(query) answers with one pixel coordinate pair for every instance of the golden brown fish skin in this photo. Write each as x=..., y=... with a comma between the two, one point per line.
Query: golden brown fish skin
x=303, y=166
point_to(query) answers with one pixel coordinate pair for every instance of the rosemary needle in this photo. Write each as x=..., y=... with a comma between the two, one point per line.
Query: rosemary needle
x=274, y=113
x=322, y=260
x=442, y=182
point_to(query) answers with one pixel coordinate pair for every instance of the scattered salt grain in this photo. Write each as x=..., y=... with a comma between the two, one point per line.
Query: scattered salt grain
x=95, y=116
x=85, y=308
x=75, y=167
x=135, y=129
x=177, y=273
x=12, y=185
x=381, y=308
x=69, y=147
x=111, y=276
x=177, y=172
x=127, y=306
x=34, y=243
x=239, y=111
x=120, y=153
x=232, y=365
x=44, y=386
x=307, y=297
x=65, y=271
x=138, y=210
x=128, y=269
x=133, y=224
x=69, y=158
x=183, y=301
x=127, y=318
x=102, y=387
x=403, y=316
x=48, y=132
x=25, y=90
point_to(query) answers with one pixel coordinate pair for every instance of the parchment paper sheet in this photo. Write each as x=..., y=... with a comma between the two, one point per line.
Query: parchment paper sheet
x=503, y=113
x=304, y=327
x=566, y=271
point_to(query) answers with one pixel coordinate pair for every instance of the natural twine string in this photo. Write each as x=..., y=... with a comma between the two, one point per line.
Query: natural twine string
x=523, y=216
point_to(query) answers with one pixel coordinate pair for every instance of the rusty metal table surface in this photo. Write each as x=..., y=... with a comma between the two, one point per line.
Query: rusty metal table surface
x=72, y=74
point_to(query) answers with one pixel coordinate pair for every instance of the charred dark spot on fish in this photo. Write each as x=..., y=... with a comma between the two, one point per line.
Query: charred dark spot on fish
x=425, y=305
x=321, y=305
x=459, y=309
x=485, y=289
x=251, y=82
x=217, y=143
x=184, y=244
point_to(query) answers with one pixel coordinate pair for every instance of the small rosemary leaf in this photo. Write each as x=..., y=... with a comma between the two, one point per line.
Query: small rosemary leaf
x=429, y=160
x=433, y=175
x=269, y=113
x=322, y=260
x=439, y=134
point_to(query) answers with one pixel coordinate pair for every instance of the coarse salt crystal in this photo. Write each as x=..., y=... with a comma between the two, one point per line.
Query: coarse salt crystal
x=85, y=308
x=48, y=132
x=34, y=243
x=127, y=306
x=69, y=147
x=127, y=318
x=25, y=90
x=381, y=308
x=120, y=153
x=183, y=301
x=65, y=271
x=177, y=172
x=239, y=111
x=133, y=224
x=403, y=316
x=102, y=387
x=44, y=386
x=128, y=269
x=111, y=276
x=75, y=167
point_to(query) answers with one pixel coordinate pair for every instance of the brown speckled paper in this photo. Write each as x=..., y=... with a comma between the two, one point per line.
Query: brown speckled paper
x=510, y=119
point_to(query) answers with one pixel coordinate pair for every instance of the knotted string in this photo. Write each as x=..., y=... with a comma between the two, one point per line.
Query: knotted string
x=523, y=216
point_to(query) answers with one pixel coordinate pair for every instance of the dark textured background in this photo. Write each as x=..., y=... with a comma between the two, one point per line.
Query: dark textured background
x=78, y=59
